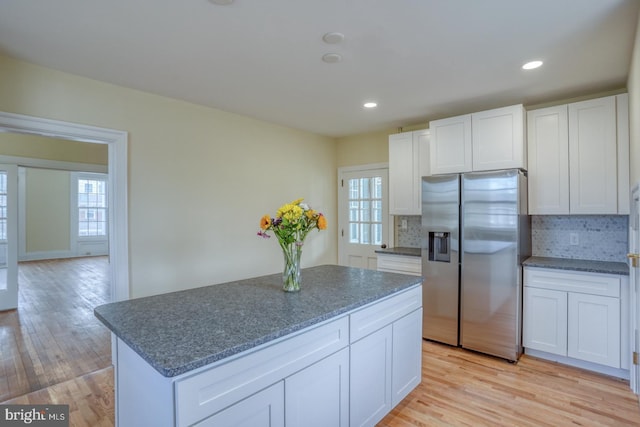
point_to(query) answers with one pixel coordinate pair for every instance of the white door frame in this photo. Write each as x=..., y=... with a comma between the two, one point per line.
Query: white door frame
x=117, y=141
x=341, y=226
x=634, y=292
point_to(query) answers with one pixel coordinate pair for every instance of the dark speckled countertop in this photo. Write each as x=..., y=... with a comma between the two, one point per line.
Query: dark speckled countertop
x=181, y=331
x=400, y=251
x=608, y=267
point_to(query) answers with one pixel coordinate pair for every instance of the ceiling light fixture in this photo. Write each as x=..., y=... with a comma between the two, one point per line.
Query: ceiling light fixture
x=333, y=38
x=370, y=104
x=332, y=58
x=531, y=65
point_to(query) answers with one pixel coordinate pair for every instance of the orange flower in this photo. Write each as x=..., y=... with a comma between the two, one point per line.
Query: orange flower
x=322, y=222
x=265, y=222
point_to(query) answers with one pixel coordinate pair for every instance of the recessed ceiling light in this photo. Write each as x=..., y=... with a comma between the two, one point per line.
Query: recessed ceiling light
x=332, y=58
x=333, y=38
x=531, y=65
x=370, y=104
x=221, y=2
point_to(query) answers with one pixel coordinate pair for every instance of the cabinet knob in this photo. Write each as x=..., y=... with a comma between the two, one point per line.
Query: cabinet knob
x=634, y=259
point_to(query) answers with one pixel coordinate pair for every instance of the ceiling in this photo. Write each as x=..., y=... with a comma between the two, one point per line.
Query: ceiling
x=418, y=59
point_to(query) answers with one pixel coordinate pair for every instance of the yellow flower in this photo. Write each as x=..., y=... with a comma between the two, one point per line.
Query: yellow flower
x=265, y=222
x=290, y=212
x=310, y=213
x=296, y=202
x=322, y=222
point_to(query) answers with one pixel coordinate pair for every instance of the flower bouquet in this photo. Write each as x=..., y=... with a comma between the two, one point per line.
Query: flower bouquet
x=291, y=225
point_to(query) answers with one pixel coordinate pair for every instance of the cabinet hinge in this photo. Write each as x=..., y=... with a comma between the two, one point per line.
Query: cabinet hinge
x=635, y=357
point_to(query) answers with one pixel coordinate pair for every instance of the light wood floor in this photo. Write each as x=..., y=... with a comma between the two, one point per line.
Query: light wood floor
x=463, y=388
x=459, y=388
x=54, y=336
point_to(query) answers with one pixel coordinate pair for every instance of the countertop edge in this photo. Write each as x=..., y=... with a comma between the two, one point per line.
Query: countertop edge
x=589, y=266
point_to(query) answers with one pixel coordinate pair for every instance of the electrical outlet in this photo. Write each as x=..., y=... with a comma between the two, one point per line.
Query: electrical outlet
x=403, y=225
x=573, y=239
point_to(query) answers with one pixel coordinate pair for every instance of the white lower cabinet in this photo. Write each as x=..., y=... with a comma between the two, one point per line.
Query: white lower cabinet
x=318, y=396
x=406, y=368
x=370, y=394
x=545, y=320
x=385, y=366
x=576, y=316
x=594, y=329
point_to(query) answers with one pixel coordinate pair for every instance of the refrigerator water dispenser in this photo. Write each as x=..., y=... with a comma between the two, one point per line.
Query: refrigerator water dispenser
x=439, y=246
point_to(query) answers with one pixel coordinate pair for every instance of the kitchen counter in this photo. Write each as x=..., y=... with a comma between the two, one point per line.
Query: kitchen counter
x=247, y=353
x=182, y=331
x=400, y=251
x=590, y=266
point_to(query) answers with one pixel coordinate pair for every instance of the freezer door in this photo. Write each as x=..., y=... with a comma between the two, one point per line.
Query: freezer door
x=441, y=257
x=491, y=274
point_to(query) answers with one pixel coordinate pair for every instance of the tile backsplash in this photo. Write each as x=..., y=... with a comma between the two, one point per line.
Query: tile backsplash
x=600, y=237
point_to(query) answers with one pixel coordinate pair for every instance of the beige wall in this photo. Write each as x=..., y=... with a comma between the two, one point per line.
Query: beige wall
x=199, y=178
x=368, y=147
x=40, y=147
x=633, y=85
x=47, y=215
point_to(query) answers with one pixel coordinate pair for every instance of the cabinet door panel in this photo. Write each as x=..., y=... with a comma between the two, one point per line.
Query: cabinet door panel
x=498, y=139
x=263, y=409
x=406, y=373
x=401, y=180
x=593, y=156
x=451, y=145
x=548, y=147
x=545, y=320
x=370, y=393
x=594, y=329
x=319, y=395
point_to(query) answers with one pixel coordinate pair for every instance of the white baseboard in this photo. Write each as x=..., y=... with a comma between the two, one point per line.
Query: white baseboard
x=607, y=370
x=40, y=256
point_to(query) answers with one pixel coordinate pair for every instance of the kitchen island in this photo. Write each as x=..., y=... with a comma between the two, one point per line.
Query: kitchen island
x=343, y=351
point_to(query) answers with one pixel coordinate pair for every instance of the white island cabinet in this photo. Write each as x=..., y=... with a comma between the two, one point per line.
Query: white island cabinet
x=345, y=369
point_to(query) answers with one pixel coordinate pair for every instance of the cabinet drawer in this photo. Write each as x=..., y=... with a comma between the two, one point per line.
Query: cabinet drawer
x=570, y=281
x=382, y=313
x=400, y=264
x=210, y=391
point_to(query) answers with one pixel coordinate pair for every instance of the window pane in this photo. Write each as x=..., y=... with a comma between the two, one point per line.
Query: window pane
x=365, y=210
x=92, y=203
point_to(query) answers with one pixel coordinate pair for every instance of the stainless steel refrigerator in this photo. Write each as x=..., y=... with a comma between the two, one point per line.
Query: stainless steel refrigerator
x=475, y=234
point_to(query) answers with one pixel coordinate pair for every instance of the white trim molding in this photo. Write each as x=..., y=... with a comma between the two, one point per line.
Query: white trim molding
x=117, y=141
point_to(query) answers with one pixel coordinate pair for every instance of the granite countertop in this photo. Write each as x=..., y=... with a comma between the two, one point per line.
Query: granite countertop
x=400, y=251
x=181, y=331
x=608, y=267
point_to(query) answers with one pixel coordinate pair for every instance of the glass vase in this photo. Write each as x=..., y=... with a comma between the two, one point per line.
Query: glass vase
x=291, y=273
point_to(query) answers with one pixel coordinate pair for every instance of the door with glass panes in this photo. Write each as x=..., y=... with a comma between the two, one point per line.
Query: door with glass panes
x=363, y=216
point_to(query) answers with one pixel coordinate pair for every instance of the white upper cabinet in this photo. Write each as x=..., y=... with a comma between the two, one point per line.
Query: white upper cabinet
x=408, y=163
x=498, y=139
x=579, y=157
x=487, y=140
x=548, y=144
x=593, y=157
x=451, y=145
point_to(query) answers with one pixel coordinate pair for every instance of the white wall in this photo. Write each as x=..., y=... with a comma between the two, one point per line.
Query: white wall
x=199, y=178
